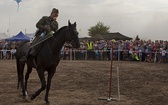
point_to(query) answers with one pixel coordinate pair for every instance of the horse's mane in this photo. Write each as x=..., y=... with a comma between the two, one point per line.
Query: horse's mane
x=61, y=29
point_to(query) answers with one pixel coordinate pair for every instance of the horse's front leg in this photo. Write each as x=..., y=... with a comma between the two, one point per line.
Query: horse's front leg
x=50, y=75
x=43, y=84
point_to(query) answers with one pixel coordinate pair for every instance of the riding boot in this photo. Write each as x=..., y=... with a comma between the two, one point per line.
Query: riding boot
x=24, y=58
x=33, y=51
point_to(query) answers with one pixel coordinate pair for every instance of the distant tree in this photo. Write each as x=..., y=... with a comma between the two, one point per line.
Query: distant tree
x=98, y=29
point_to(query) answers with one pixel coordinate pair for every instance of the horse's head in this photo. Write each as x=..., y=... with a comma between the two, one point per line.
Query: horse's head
x=72, y=35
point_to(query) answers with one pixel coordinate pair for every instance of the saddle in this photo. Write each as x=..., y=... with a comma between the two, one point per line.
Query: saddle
x=37, y=43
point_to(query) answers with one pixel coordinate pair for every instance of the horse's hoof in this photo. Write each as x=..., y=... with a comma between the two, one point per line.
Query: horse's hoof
x=24, y=97
x=48, y=103
x=27, y=99
x=32, y=97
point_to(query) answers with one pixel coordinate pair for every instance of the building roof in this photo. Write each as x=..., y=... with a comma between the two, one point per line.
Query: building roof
x=110, y=36
x=116, y=36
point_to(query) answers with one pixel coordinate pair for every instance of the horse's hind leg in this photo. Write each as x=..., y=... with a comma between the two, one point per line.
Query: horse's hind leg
x=29, y=70
x=43, y=84
x=21, y=78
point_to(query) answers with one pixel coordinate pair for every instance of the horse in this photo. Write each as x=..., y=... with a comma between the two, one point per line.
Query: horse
x=46, y=60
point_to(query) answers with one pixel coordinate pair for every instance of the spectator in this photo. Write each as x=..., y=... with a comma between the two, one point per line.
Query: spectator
x=83, y=51
x=90, y=53
x=163, y=53
x=13, y=51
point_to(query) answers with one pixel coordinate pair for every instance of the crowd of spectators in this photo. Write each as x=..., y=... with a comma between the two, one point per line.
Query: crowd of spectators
x=134, y=50
x=8, y=49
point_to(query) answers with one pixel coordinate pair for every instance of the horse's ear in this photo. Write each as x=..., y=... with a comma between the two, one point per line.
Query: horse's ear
x=75, y=24
x=69, y=23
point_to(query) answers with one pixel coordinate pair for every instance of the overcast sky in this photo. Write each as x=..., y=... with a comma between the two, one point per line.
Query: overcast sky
x=146, y=18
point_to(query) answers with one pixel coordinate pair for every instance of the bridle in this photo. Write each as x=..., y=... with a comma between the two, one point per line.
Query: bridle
x=68, y=37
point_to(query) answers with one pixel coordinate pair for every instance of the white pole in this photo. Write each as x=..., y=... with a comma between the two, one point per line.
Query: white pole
x=25, y=32
x=9, y=27
x=155, y=57
x=118, y=83
x=118, y=54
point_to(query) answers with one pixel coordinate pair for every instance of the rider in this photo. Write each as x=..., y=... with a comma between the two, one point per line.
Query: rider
x=47, y=25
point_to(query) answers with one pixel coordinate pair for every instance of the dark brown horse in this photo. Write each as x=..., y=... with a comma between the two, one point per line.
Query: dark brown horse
x=47, y=59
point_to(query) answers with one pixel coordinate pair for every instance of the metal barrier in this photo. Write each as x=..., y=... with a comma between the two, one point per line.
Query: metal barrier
x=7, y=54
x=119, y=55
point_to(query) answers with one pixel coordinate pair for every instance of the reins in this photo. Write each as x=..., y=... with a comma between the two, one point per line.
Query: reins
x=67, y=33
x=68, y=38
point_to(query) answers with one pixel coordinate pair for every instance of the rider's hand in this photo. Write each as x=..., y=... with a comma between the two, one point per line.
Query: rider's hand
x=47, y=28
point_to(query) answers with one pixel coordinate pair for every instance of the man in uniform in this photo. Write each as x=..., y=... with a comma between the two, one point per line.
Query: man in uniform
x=47, y=26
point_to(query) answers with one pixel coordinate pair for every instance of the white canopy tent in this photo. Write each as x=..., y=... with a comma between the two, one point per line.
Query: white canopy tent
x=3, y=36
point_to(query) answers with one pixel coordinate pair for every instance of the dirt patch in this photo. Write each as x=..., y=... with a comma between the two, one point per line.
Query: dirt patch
x=83, y=82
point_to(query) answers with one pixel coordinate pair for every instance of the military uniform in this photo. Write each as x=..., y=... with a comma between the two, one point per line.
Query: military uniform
x=45, y=21
x=46, y=26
